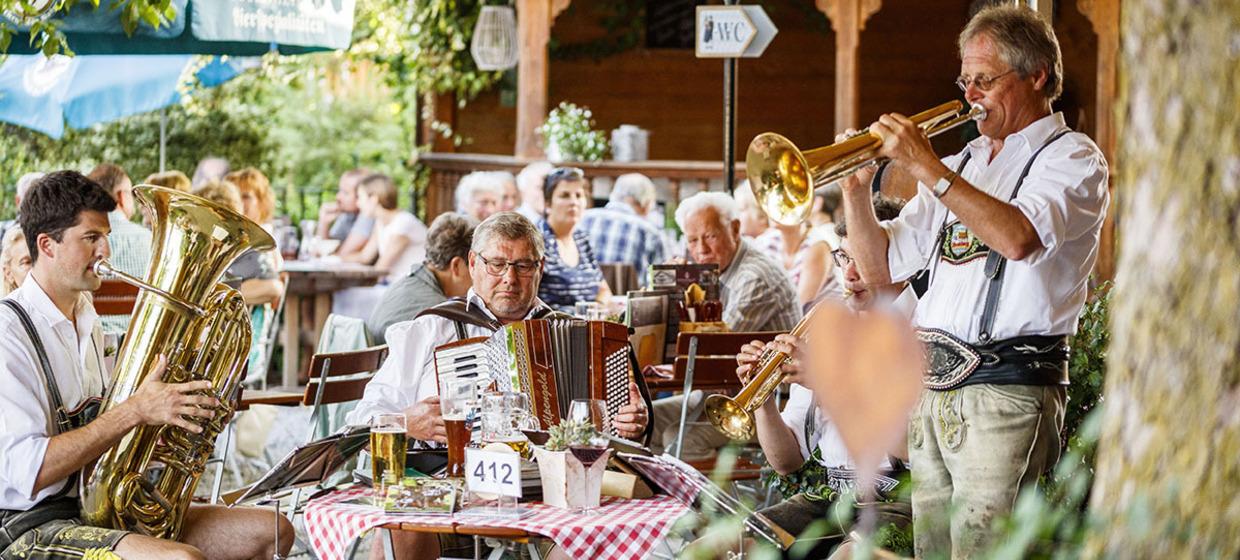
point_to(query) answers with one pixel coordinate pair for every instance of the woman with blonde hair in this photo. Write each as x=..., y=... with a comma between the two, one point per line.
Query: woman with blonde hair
x=258, y=202
x=14, y=260
x=169, y=179
x=258, y=272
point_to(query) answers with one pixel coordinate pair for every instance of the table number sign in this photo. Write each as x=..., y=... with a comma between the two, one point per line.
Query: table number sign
x=491, y=472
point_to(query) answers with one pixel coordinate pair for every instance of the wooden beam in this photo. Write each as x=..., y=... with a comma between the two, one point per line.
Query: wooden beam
x=848, y=19
x=534, y=20
x=1103, y=15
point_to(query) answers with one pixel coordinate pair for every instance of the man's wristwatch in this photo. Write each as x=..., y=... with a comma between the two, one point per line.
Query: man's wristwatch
x=940, y=188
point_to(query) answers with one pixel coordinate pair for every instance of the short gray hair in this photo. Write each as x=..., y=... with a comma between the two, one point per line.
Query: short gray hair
x=636, y=186
x=510, y=226
x=26, y=181
x=532, y=176
x=722, y=203
x=743, y=193
x=450, y=236
x=1026, y=42
x=479, y=181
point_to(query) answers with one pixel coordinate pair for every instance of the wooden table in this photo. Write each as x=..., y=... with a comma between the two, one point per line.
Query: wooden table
x=316, y=279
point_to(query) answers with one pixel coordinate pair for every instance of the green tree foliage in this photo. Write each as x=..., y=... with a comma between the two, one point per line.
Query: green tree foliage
x=301, y=120
x=44, y=19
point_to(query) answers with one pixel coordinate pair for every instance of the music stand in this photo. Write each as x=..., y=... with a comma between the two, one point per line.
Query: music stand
x=306, y=465
x=687, y=485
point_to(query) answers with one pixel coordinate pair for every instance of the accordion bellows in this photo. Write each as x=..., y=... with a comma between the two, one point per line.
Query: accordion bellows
x=552, y=361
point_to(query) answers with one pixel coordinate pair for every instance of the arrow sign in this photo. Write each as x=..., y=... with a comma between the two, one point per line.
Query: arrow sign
x=732, y=31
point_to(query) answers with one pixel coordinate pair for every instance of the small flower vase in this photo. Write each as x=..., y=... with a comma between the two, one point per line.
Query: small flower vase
x=555, y=154
x=568, y=484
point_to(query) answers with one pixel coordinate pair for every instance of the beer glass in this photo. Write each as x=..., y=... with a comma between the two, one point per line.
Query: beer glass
x=387, y=450
x=456, y=401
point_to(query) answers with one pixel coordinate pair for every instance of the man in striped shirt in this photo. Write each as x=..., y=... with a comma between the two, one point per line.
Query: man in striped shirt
x=619, y=232
x=756, y=293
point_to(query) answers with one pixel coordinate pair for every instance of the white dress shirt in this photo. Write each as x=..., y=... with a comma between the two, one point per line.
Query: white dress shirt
x=821, y=431
x=75, y=352
x=1064, y=197
x=408, y=375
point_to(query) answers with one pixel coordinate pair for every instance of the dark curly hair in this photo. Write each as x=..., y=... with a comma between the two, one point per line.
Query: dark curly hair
x=55, y=203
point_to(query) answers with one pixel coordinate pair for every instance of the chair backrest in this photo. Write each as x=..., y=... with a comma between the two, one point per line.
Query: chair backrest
x=115, y=297
x=342, y=375
x=715, y=361
x=620, y=277
x=647, y=316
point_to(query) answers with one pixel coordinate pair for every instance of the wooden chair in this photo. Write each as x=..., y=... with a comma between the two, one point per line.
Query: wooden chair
x=336, y=377
x=115, y=297
x=620, y=277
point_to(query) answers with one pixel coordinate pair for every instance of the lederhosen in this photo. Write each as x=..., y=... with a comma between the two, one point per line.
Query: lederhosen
x=461, y=314
x=15, y=523
x=1021, y=360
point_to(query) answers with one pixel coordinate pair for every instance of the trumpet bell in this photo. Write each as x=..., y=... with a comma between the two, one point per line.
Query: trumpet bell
x=730, y=418
x=780, y=178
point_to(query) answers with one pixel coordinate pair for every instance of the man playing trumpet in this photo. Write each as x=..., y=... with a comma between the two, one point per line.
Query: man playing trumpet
x=1009, y=231
x=802, y=440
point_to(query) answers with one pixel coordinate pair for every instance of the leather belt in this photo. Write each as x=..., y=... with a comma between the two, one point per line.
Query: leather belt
x=1024, y=360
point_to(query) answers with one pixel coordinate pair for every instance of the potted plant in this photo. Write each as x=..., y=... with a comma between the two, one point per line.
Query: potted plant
x=569, y=135
x=567, y=480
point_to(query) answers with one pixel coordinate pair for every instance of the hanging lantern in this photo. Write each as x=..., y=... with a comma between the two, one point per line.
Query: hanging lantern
x=494, y=45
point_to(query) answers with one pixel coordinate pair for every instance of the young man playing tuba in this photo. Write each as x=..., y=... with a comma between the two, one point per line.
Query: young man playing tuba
x=53, y=375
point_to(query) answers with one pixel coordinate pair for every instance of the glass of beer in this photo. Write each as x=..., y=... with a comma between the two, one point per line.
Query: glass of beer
x=456, y=401
x=387, y=450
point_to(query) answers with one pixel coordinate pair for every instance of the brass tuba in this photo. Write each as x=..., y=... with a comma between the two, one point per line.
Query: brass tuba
x=145, y=483
x=783, y=179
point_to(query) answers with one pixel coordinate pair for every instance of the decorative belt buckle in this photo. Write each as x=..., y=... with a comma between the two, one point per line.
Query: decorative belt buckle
x=949, y=361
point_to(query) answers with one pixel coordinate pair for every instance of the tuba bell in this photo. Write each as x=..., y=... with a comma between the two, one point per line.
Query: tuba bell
x=145, y=482
x=783, y=179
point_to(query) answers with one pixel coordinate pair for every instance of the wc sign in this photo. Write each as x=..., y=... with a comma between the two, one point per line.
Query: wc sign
x=732, y=31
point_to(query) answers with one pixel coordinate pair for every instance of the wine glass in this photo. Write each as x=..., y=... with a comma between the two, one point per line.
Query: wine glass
x=595, y=449
x=593, y=411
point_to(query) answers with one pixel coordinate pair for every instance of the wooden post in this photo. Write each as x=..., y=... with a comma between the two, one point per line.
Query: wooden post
x=848, y=19
x=534, y=19
x=1103, y=15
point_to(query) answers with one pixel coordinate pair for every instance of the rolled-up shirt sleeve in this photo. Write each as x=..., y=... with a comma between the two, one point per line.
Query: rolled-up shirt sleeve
x=1065, y=196
x=406, y=377
x=24, y=431
x=910, y=237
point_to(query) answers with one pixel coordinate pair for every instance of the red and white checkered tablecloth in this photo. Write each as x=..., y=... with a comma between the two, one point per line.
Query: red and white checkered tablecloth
x=622, y=530
x=331, y=523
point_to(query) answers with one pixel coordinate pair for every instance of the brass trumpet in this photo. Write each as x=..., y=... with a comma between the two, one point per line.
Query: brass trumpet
x=733, y=417
x=783, y=179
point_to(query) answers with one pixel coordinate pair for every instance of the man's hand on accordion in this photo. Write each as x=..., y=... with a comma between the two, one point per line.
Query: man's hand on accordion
x=425, y=421
x=630, y=421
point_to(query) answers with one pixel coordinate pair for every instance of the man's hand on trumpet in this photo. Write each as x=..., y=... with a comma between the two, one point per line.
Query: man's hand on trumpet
x=747, y=359
x=862, y=178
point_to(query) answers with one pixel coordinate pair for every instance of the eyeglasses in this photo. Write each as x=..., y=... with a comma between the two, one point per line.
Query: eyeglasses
x=499, y=267
x=555, y=176
x=841, y=257
x=982, y=83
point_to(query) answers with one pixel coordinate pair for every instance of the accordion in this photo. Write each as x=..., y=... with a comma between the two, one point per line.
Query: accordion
x=551, y=361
